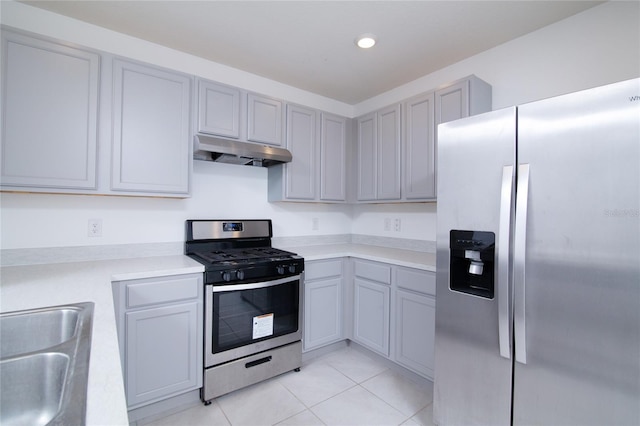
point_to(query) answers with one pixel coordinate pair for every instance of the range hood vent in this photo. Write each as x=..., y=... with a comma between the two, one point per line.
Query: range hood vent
x=221, y=150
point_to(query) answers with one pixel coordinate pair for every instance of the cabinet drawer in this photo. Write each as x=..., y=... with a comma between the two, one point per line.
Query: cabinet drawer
x=417, y=280
x=153, y=291
x=372, y=271
x=323, y=269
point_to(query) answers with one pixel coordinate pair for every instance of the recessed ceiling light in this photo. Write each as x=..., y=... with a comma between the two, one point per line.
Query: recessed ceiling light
x=365, y=41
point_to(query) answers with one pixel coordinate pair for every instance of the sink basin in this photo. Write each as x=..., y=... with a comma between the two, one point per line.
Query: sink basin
x=53, y=326
x=44, y=365
x=41, y=377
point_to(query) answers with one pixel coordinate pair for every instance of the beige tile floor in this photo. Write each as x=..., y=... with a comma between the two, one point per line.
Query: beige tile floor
x=345, y=387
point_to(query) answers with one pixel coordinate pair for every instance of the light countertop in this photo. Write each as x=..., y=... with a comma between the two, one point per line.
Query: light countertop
x=408, y=258
x=35, y=286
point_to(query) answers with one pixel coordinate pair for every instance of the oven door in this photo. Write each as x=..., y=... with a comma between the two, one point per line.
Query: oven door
x=244, y=319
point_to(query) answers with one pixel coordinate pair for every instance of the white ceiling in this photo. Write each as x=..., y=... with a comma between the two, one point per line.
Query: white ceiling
x=310, y=44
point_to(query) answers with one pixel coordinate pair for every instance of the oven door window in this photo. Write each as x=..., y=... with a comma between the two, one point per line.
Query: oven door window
x=241, y=317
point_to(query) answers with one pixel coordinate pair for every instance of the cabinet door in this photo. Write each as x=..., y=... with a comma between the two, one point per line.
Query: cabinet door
x=264, y=120
x=415, y=331
x=151, y=137
x=323, y=312
x=388, y=173
x=218, y=109
x=161, y=352
x=371, y=315
x=452, y=102
x=419, y=148
x=367, y=157
x=49, y=120
x=333, y=158
x=301, y=141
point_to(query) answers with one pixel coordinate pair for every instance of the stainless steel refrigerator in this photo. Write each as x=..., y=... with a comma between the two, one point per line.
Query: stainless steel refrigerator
x=538, y=263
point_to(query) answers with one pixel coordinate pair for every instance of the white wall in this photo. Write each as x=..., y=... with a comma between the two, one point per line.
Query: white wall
x=598, y=46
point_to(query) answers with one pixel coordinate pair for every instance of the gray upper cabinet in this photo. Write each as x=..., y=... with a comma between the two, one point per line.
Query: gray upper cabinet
x=151, y=137
x=367, y=157
x=218, y=109
x=419, y=162
x=378, y=154
x=389, y=153
x=317, y=172
x=264, y=120
x=333, y=158
x=383, y=173
x=301, y=141
x=50, y=113
x=465, y=97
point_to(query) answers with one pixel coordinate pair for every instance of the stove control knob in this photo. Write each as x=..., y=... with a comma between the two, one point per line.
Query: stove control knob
x=240, y=274
x=292, y=269
x=280, y=269
x=226, y=275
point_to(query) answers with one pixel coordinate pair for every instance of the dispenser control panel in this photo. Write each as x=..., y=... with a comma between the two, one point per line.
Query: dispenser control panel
x=472, y=260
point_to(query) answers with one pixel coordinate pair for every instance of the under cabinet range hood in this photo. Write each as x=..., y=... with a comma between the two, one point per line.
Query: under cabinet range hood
x=221, y=150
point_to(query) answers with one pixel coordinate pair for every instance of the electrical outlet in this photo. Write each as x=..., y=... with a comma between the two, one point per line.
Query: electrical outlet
x=397, y=224
x=315, y=224
x=387, y=224
x=95, y=228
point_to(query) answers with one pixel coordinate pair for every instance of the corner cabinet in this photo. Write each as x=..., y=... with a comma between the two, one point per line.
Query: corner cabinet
x=317, y=172
x=378, y=154
x=151, y=137
x=394, y=313
x=50, y=114
x=323, y=296
x=160, y=323
x=418, y=146
x=371, y=310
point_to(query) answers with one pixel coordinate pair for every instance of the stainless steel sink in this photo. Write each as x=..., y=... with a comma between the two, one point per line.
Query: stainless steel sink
x=44, y=365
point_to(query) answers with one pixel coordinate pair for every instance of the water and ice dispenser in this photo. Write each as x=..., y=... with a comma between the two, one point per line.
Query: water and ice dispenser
x=472, y=262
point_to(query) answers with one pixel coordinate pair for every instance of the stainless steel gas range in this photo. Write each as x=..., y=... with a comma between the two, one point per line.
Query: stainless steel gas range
x=252, y=303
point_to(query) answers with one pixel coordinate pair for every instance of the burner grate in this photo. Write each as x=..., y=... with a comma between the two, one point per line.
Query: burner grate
x=244, y=255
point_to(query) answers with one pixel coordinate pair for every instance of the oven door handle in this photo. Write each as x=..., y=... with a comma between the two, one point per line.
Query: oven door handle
x=253, y=286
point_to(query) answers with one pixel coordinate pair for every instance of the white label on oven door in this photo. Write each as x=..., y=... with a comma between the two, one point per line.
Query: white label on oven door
x=262, y=326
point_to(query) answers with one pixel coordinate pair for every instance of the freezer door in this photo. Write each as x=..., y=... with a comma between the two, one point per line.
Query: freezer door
x=476, y=156
x=579, y=333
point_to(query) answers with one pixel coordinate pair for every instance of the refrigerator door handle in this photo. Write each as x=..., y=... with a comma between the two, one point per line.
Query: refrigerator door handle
x=503, y=262
x=522, y=197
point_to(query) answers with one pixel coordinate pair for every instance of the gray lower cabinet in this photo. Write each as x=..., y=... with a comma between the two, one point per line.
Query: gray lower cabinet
x=415, y=308
x=151, y=136
x=394, y=313
x=50, y=113
x=371, y=310
x=323, y=296
x=160, y=323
